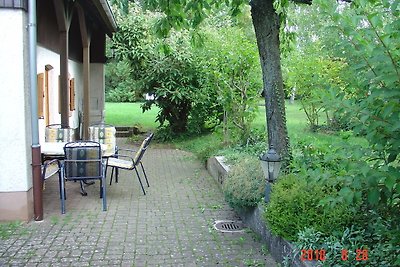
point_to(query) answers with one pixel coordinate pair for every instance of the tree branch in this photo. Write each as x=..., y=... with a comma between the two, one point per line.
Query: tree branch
x=309, y=2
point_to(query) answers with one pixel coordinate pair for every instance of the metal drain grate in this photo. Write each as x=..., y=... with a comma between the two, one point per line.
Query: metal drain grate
x=229, y=226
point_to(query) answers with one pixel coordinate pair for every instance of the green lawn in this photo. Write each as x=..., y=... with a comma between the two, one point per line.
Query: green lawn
x=129, y=114
x=296, y=118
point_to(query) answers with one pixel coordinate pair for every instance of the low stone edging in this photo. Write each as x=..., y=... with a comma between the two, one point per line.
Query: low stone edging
x=217, y=168
x=277, y=246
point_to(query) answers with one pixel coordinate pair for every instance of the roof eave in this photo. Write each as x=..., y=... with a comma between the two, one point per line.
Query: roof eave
x=107, y=15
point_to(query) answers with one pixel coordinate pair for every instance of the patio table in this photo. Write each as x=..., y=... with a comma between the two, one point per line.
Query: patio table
x=56, y=150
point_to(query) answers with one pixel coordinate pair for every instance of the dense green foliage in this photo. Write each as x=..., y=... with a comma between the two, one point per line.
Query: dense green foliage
x=230, y=65
x=193, y=86
x=119, y=83
x=173, y=78
x=244, y=185
x=368, y=96
x=369, y=31
x=167, y=69
x=316, y=80
x=347, y=66
x=295, y=203
x=265, y=17
x=371, y=239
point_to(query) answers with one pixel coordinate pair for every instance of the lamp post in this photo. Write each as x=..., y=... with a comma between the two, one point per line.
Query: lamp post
x=271, y=164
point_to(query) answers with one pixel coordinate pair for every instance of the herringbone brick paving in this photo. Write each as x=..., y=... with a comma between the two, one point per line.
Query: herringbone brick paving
x=169, y=226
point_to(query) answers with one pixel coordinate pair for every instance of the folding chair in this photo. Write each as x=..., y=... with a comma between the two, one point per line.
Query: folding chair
x=128, y=163
x=82, y=162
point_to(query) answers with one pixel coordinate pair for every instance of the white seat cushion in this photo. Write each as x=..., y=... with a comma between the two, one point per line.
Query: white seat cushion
x=120, y=163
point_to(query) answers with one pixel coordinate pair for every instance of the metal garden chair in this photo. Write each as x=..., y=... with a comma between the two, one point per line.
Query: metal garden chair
x=83, y=162
x=130, y=163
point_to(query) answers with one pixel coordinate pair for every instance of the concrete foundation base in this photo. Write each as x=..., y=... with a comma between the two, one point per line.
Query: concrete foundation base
x=16, y=206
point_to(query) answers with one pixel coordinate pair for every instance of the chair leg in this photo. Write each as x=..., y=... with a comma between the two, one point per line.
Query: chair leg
x=83, y=191
x=140, y=181
x=62, y=192
x=103, y=191
x=145, y=176
x=116, y=169
x=112, y=174
x=116, y=174
x=105, y=174
x=101, y=188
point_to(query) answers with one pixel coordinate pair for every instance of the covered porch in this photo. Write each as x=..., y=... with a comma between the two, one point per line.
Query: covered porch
x=70, y=53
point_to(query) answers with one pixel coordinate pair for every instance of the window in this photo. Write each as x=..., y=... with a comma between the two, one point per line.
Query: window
x=40, y=94
x=71, y=94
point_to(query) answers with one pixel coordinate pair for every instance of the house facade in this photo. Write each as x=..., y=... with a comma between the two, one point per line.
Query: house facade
x=71, y=41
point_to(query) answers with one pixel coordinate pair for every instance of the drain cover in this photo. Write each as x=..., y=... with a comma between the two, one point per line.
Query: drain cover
x=229, y=226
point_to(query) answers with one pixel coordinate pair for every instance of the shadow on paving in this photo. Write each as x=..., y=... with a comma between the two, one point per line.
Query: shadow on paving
x=172, y=225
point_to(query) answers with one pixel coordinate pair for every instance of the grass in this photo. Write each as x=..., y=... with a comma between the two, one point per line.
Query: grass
x=295, y=118
x=9, y=228
x=204, y=146
x=130, y=114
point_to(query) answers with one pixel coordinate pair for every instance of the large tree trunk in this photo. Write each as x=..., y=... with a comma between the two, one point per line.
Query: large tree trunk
x=266, y=24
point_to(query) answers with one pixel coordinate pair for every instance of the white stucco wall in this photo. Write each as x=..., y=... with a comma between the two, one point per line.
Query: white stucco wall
x=48, y=57
x=15, y=133
x=97, y=84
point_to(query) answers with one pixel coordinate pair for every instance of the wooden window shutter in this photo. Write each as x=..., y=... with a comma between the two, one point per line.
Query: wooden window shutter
x=40, y=93
x=72, y=94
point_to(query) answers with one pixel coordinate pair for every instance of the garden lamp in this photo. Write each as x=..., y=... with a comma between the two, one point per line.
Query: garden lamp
x=271, y=164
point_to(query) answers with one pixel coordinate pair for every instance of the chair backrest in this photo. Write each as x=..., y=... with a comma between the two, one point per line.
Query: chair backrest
x=142, y=149
x=82, y=160
x=104, y=134
x=58, y=133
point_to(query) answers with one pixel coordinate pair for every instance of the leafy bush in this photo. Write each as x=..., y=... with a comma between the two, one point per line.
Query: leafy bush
x=168, y=68
x=316, y=80
x=295, y=204
x=368, y=37
x=376, y=241
x=245, y=183
x=120, y=87
x=230, y=66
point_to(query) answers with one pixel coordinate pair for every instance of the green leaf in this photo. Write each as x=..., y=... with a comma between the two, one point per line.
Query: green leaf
x=392, y=157
x=364, y=170
x=390, y=180
x=373, y=196
x=347, y=194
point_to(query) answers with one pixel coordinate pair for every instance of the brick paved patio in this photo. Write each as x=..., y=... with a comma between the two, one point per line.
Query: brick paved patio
x=170, y=226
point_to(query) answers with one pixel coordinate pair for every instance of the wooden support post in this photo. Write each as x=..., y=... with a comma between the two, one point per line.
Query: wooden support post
x=64, y=83
x=86, y=91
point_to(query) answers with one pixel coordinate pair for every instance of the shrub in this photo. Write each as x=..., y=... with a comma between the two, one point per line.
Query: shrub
x=295, y=204
x=376, y=241
x=244, y=185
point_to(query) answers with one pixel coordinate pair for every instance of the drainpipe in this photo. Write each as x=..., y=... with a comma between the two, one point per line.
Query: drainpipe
x=36, y=155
